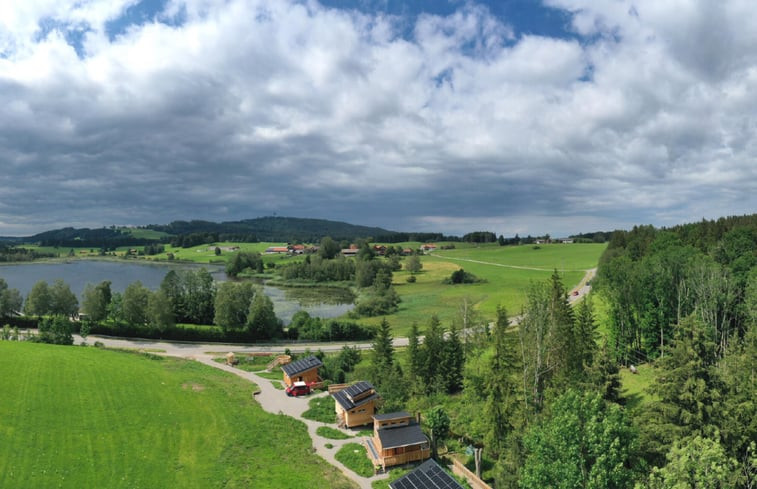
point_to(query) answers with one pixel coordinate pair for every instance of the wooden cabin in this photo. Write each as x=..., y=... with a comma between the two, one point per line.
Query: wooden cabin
x=397, y=439
x=303, y=370
x=356, y=404
x=428, y=475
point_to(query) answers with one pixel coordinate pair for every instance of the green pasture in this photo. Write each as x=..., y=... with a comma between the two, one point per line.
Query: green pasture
x=84, y=417
x=144, y=233
x=507, y=272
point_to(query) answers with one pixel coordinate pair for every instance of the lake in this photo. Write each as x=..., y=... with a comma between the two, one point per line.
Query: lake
x=321, y=302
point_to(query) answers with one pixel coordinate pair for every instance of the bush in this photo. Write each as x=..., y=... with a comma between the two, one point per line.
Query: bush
x=461, y=277
x=411, y=279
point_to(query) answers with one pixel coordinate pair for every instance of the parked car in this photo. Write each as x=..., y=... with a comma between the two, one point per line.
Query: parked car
x=298, y=389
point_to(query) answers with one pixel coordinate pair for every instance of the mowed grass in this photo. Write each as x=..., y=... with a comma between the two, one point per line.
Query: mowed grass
x=76, y=417
x=353, y=456
x=502, y=284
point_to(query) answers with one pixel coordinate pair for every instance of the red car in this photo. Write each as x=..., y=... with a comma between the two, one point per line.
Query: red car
x=298, y=389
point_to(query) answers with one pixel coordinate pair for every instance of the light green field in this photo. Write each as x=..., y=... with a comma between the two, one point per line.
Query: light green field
x=78, y=417
x=508, y=271
x=144, y=233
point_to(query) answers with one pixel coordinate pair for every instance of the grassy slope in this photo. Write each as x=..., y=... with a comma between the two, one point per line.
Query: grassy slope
x=504, y=285
x=75, y=417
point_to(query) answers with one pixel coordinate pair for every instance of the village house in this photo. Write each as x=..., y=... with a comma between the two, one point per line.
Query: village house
x=303, y=370
x=380, y=250
x=426, y=248
x=428, y=475
x=397, y=439
x=356, y=404
x=277, y=249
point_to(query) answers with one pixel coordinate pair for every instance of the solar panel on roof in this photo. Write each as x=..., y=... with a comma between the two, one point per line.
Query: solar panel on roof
x=428, y=475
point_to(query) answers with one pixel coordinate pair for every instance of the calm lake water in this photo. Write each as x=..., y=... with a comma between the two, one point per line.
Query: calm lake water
x=325, y=303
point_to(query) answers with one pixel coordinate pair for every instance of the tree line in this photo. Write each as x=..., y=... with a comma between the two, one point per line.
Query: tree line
x=543, y=398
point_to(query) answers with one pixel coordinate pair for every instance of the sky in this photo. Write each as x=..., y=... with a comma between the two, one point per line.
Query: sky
x=512, y=116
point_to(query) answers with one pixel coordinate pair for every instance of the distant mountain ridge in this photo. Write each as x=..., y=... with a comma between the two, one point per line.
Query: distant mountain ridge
x=271, y=228
x=275, y=228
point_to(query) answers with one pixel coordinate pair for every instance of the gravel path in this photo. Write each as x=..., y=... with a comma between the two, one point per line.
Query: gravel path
x=277, y=402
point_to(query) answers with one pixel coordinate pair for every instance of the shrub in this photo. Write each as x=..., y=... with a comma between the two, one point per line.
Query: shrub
x=461, y=277
x=411, y=279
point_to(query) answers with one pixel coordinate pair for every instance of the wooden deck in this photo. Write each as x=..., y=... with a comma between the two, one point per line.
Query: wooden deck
x=380, y=462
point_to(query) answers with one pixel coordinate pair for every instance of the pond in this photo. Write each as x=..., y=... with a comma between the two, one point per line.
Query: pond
x=321, y=302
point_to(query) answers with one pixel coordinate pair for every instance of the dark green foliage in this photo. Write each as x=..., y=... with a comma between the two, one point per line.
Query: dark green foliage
x=62, y=300
x=232, y=304
x=96, y=299
x=38, y=301
x=328, y=248
x=305, y=327
x=243, y=261
x=262, y=322
x=56, y=330
x=413, y=264
x=134, y=305
x=381, y=299
x=689, y=389
x=460, y=276
x=191, y=294
x=383, y=349
x=159, y=313
x=583, y=442
x=453, y=362
x=318, y=269
x=10, y=300
x=697, y=463
x=438, y=423
x=480, y=237
x=500, y=388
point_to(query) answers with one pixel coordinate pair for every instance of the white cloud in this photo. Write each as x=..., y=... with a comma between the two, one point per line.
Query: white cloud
x=255, y=106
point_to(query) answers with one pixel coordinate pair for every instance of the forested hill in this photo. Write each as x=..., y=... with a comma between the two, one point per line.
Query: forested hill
x=273, y=229
x=287, y=229
x=652, y=278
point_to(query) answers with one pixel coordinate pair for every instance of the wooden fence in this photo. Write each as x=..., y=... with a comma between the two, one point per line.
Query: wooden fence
x=475, y=482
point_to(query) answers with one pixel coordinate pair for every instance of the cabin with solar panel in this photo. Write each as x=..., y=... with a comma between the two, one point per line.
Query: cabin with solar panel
x=356, y=404
x=397, y=440
x=303, y=370
x=428, y=475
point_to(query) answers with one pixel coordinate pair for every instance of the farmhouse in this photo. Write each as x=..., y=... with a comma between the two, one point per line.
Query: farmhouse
x=350, y=251
x=428, y=475
x=397, y=439
x=428, y=247
x=303, y=370
x=356, y=404
x=277, y=249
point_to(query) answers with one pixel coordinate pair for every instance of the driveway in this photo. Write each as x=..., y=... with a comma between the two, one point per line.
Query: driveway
x=277, y=402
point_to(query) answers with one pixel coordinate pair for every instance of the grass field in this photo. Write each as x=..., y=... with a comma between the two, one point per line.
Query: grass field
x=507, y=273
x=321, y=409
x=78, y=417
x=353, y=456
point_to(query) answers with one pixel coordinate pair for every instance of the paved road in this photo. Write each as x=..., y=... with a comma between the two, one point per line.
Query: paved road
x=271, y=399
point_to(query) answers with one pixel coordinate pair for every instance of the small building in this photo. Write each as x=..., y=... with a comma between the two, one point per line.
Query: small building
x=277, y=249
x=428, y=475
x=350, y=251
x=303, y=370
x=429, y=247
x=397, y=439
x=380, y=250
x=356, y=404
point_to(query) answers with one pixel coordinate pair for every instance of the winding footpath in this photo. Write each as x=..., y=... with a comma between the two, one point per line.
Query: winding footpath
x=275, y=400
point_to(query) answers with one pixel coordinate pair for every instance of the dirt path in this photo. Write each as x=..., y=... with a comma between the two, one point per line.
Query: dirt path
x=277, y=402
x=517, y=267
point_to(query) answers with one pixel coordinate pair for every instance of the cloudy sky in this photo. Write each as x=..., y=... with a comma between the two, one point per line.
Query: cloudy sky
x=515, y=116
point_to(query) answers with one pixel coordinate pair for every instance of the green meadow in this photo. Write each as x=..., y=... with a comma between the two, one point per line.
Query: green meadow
x=78, y=417
x=507, y=273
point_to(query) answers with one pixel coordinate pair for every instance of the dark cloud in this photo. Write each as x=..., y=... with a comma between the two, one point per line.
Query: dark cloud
x=248, y=108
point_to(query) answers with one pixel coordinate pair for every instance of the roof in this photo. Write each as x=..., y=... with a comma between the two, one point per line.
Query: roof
x=402, y=436
x=301, y=365
x=428, y=475
x=398, y=414
x=346, y=397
